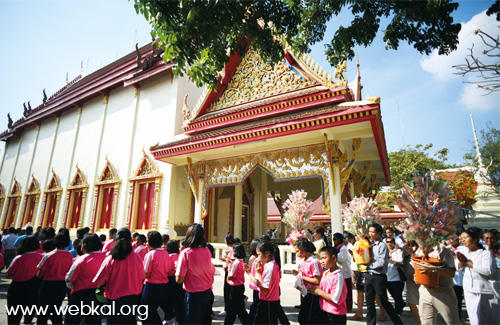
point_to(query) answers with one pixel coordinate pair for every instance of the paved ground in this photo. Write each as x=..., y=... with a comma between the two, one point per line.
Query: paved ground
x=289, y=298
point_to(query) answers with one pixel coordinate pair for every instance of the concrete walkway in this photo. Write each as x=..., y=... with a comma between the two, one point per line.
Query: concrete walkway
x=289, y=299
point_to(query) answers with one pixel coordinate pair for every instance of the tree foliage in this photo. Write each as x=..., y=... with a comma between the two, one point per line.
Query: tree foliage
x=201, y=35
x=489, y=146
x=407, y=163
x=485, y=67
x=463, y=186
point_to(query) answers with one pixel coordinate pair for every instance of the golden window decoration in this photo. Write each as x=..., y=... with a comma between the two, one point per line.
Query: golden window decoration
x=105, y=198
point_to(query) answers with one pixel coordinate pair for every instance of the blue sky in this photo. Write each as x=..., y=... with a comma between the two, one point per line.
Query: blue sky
x=44, y=41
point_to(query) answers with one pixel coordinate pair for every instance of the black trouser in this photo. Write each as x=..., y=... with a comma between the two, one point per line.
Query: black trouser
x=22, y=293
x=337, y=319
x=227, y=289
x=459, y=292
x=82, y=298
x=376, y=284
x=396, y=290
x=127, y=315
x=175, y=301
x=253, y=307
x=267, y=312
x=154, y=295
x=198, y=307
x=51, y=294
x=310, y=312
x=236, y=305
x=8, y=256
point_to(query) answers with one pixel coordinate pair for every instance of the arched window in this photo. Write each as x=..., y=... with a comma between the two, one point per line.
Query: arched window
x=144, y=194
x=75, y=201
x=50, y=204
x=105, y=198
x=30, y=202
x=13, y=200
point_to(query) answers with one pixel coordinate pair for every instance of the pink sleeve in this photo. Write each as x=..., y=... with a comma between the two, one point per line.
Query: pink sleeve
x=337, y=286
x=13, y=265
x=102, y=275
x=43, y=265
x=181, y=265
x=148, y=262
x=74, y=270
x=2, y=262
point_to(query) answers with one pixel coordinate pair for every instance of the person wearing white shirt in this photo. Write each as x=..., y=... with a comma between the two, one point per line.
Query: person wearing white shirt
x=455, y=246
x=479, y=266
x=344, y=263
x=395, y=284
x=390, y=234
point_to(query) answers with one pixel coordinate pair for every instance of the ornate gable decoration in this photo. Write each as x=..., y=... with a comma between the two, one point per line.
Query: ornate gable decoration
x=255, y=79
x=146, y=169
x=54, y=185
x=108, y=175
x=16, y=190
x=78, y=180
x=33, y=188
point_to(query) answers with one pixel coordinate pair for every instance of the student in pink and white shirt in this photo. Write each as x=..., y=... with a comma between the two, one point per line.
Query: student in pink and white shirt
x=332, y=289
x=142, y=248
x=175, y=297
x=311, y=271
x=252, y=262
x=111, y=235
x=196, y=272
x=267, y=279
x=123, y=274
x=53, y=268
x=23, y=290
x=228, y=258
x=80, y=276
x=156, y=267
x=134, y=240
x=236, y=281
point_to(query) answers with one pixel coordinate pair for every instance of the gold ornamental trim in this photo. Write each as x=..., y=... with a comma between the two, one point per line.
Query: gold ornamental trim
x=250, y=135
x=287, y=164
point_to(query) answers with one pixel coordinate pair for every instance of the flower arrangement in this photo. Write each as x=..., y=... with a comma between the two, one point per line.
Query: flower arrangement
x=294, y=236
x=357, y=217
x=298, y=211
x=359, y=214
x=430, y=213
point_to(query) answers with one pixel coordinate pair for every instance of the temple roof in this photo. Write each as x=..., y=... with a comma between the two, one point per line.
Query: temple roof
x=127, y=71
x=258, y=107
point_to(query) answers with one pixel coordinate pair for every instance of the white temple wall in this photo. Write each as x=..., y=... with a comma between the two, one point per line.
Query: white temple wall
x=180, y=193
x=155, y=123
x=223, y=222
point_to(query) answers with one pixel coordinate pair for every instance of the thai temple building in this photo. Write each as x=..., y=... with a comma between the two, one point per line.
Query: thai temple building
x=132, y=145
x=487, y=207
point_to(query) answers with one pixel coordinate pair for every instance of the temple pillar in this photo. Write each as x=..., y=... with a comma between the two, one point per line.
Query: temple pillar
x=262, y=218
x=238, y=196
x=198, y=208
x=335, y=200
x=351, y=189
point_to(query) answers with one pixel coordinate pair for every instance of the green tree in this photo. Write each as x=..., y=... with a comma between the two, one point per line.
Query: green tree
x=489, y=146
x=201, y=35
x=407, y=163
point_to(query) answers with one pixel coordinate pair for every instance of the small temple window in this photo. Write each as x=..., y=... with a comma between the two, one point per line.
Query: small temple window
x=75, y=201
x=51, y=199
x=31, y=198
x=144, y=192
x=13, y=200
x=105, y=197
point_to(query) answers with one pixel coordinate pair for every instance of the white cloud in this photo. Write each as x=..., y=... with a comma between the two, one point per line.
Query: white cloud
x=441, y=66
x=473, y=98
